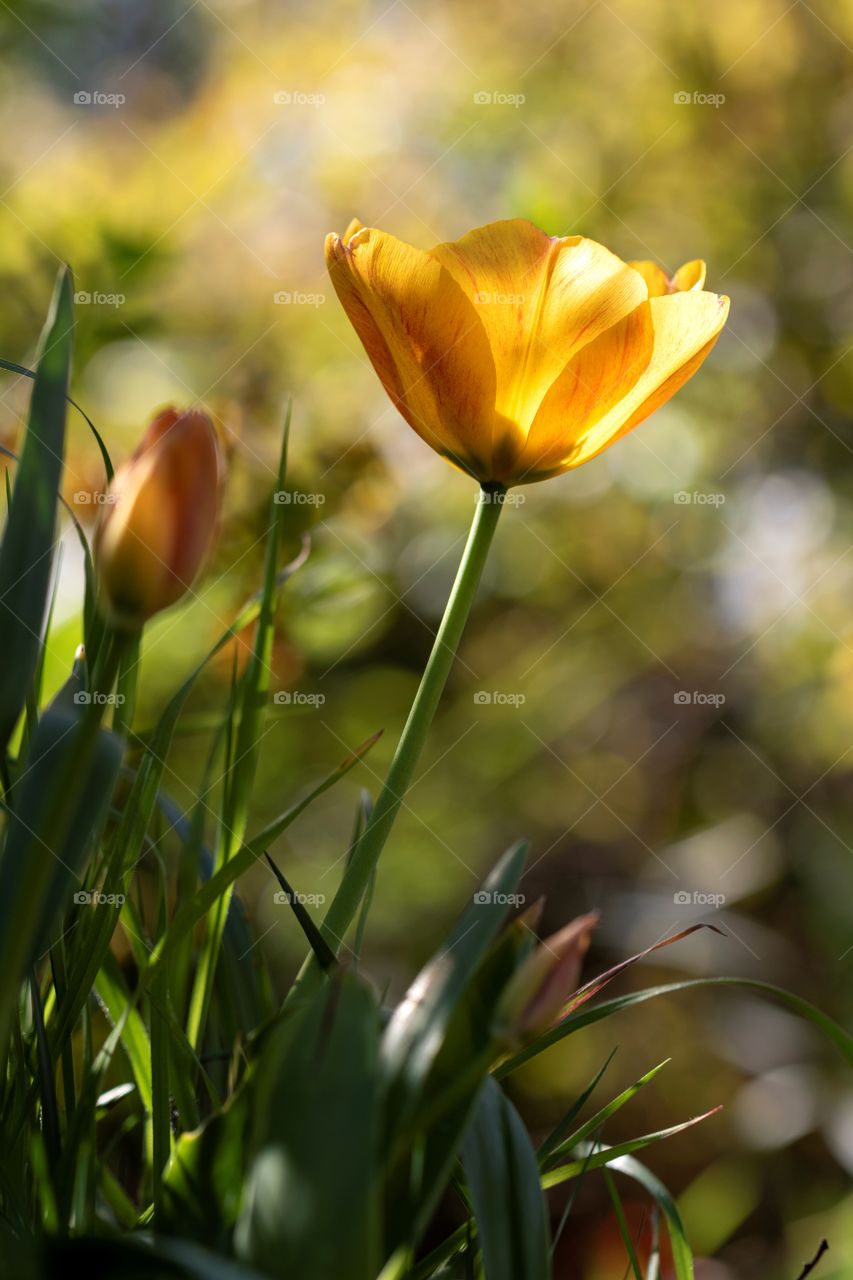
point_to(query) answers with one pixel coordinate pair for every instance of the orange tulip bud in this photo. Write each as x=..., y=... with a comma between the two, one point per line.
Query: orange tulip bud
x=537, y=994
x=159, y=518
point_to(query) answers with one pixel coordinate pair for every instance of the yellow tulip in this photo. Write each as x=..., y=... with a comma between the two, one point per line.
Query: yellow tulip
x=159, y=517
x=518, y=355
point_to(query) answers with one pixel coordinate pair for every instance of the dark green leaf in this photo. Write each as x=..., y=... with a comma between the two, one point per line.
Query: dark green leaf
x=26, y=554
x=310, y=1206
x=502, y=1175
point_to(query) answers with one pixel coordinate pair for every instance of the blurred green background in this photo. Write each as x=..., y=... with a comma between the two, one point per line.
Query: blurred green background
x=664, y=638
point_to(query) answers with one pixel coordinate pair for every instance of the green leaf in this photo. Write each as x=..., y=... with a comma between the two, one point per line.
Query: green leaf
x=192, y=911
x=584, y=1017
x=144, y=792
x=311, y=1203
x=416, y=1032
x=558, y=1133
x=326, y=957
x=134, y=1259
x=203, y=1182
x=239, y=780
x=24, y=372
x=112, y=990
x=602, y=1155
x=622, y=1223
x=682, y=1256
x=59, y=810
x=423, y=1153
x=502, y=1175
x=549, y=1154
x=26, y=553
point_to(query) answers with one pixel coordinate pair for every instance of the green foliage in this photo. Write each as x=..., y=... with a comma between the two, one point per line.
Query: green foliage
x=166, y=1108
x=27, y=550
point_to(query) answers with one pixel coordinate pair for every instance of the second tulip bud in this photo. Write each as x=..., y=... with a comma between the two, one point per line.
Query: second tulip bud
x=160, y=517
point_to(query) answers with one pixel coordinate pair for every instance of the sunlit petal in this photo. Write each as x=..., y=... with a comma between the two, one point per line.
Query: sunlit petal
x=424, y=339
x=657, y=281
x=540, y=299
x=616, y=383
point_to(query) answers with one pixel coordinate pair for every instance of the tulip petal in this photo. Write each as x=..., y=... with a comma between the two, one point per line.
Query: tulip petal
x=655, y=277
x=689, y=276
x=540, y=299
x=618, y=381
x=353, y=228
x=158, y=527
x=424, y=339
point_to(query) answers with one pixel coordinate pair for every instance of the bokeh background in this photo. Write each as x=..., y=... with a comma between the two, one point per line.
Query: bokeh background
x=663, y=647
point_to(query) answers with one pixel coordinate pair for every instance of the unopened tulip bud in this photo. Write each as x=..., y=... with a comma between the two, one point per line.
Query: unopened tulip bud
x=539, y=991
x=159, y=517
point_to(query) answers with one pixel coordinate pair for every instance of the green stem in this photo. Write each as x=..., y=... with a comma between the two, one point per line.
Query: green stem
x=366, y=854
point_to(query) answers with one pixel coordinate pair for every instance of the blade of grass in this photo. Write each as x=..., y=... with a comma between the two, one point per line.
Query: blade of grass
x=326, y=957
x=503, y=1177
x=188, y=915
x=24, y=372
x=622, y=1224
x=560, y=1130
x=606, y=1155
x=682, y=1256
x=596, y=1122
x=241, y=775
x=415, y=1033
x=585, y=1017
x=26, y=553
